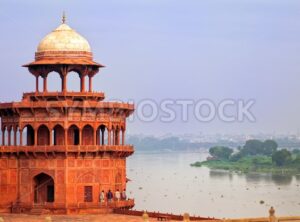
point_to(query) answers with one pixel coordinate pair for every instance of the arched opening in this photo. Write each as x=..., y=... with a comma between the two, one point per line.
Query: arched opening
x=58, y=135
x=73, y=135
x=41, y=82
x=28, y=134
x=43, y=186
x=1, y=140
x=10, y=138
x=18, y=136
x=122, y=136
x=102, y=137
x=4, y=136
x=43, y=135
x=86, y=83
x=87, y=135
x=54, y=82
x=15, y=140
x=73, y=82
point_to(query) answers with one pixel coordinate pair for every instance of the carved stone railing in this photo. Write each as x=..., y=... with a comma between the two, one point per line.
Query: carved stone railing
x=64, y=94
x=173, y=217
x=122, y=204
x=67, y=149
x=67, y=104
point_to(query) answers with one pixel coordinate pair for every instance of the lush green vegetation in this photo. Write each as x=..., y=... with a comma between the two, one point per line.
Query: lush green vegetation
x=220, y=152
x=254, y=156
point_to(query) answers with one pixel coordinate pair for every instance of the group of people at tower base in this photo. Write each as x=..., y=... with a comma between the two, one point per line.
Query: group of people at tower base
x=110, y=197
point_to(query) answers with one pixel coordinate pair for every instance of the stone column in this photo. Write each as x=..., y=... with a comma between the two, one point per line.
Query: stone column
x=80, y=137
x=45, y=84
x=63, y=83
x=35, y=137
x=117, y=137
x=95, y=136
x=3, y=137
x=119, y=132
x=113, y=137
x=9, y=136
x=123, y=137
x=82, y=83
x=15, y=136
x=37, y=83
x=102, y=136
x=50, y=137
x=109, y=137
x=66, y=136
x=90, y=84
x=21, y=137
x=98, y=137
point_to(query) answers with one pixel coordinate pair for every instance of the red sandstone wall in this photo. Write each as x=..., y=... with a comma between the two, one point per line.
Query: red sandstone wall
x=99, y=173
x=70, y=176
x=8, y=181
x=29, y=168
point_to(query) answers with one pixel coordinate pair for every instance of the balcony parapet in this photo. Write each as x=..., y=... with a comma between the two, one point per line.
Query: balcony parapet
x=62, y=208
x=67, y=104
x=121, y=150
x=63, y=95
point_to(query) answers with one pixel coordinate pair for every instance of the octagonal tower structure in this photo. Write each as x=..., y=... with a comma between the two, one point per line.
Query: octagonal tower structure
x=61, y=149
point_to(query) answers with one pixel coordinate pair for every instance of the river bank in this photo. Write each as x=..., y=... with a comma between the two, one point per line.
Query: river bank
x=257, y=164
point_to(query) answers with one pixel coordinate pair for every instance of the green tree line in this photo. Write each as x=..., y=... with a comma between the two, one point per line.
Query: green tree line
x=254, y=148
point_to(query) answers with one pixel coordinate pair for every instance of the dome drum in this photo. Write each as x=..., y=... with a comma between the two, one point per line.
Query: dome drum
x=63, y=54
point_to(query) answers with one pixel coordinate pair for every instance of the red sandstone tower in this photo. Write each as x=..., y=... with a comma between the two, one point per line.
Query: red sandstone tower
x=61, y=149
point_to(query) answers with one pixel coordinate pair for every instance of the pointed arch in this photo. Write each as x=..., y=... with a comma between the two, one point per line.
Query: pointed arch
x=28, y=135
x=17, y=136
x=4, y=135
x=40, y=83
x=102, y=135
x=43, y=186
x=58, y=135
x=73, y=135
x=87, y=135
x=73, y=81
x=54, y=82
x=43, y=136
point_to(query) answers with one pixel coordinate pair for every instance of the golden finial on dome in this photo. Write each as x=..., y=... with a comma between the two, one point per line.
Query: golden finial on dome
x=64, y=17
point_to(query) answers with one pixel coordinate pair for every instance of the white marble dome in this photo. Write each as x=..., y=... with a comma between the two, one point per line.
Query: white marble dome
x=64, y=39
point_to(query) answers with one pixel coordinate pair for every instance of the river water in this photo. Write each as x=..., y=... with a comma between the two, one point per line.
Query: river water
x=166, y=182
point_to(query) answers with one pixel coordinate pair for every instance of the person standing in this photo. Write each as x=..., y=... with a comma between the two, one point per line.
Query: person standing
x=102, y=196
x=109, y=196
x=124, y=196
x=118, y=195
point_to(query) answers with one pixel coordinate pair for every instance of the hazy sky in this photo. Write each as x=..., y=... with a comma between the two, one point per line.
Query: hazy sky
x=163, y=49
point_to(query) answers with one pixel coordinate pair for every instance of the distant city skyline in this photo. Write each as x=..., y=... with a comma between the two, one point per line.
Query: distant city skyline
x=158, y=50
